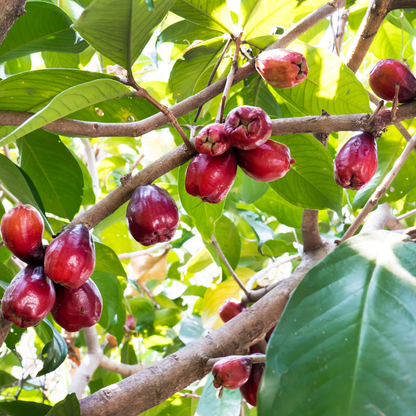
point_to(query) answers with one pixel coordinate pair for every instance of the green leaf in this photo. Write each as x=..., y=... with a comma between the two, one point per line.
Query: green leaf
x=263, y=232
x=69, y=101
x=205, y=214
x=213, y=14
x=330, y=85
x=166, y=317
x=395, y=18
x=351, y=312
x=131, y=22
x=191, y=329
x=18, y=65
x=143, y=310
x=60, y=60
x=54, y=172
x=88, y=196
x=252, y=190
x=313, y=35
x=118, y=215
x=21, y=408
x=128, y=355
x=106, y=260
x=21, y=186
x=44, y=27
x=310, y=182
x=66, y=407
x=199, y=261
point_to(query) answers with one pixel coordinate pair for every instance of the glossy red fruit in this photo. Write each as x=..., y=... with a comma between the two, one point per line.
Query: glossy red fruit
x=22, y=230
x=79, y=308
x=282, y=68
x=70, y=258
x=210, y=178
x=152, y=215
x=211, y=140
x=266, y=163
x=356, y=163
x=229, y=309
x=231, y=373
x=247, y=127
x=384, y=76
x=249, y=389
x=29, y=297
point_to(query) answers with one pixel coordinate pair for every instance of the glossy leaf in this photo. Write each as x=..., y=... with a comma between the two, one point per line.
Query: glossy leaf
x=21, y=408
x=60, y=60
x=191, y=329
x=66, y=407
x=351, y=312
x=106, y=260
x=17, y=65
x=132, y=25
x=263, y=232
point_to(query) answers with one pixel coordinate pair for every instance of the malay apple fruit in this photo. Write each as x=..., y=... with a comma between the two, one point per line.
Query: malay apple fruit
x=78, y=308
x=130, y=323
x=384, y=76
x=231, y=372
x=266, y=163
x=211, y=140
x=152, y=215
x=29, y=297
x=211, y=177
x=247, y=127
x=250, y=388
x=70, y=258
x=356, y=163
x=229, y=309
x=282, y=68
x=21, y=230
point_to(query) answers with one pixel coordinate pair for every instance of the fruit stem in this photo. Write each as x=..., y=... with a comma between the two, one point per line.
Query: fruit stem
x=255, y=359
x=228, y=266
x=395, y=102
x=376, y=111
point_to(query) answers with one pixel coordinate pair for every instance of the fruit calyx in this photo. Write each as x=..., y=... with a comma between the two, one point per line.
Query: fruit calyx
x=211, y=140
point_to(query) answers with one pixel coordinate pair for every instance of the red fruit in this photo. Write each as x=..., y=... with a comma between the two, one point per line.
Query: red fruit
x=211, y=140
x=269, y=334
x=384, y=76
x=152, y=215
x=22, y=230
x=356, y=163
x=29, y=297
x=210, y=178
x=247, y=127
x=229, y=309
x=231, y=373
x=79, y=308
x=282, y=68
x=249, y=389
x=267, y=163
x=254, y=349
x=130, y=323
x=70, y=258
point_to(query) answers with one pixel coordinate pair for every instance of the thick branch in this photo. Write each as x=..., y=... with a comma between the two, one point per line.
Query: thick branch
x=11, y=10
x=310, y=230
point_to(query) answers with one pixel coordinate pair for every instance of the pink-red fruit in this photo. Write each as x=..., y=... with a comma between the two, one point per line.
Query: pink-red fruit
x=266, y=163
x=22, y=230
x=282, y=68
x=211, y=140
x=29, y=297
x=152, y=215
x=384, y=76
x=247, y=127
x=79, y=308
x=356, y=163
x=70, y=258
x=229, y=309
x=210, y=178
x=249, y=389
x=231, y=373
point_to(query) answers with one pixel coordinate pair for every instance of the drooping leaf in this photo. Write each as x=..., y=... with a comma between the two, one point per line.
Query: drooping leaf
x=262, y=231
x=66, y=407
x=20, y=407
x=106, y=260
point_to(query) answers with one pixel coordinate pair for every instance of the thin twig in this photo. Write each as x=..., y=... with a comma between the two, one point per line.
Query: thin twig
x=190, y=395
x=406, y=215
x=341, y=30
x=376, y=111
x=381, y=189
x=395, y=102
x=136, y=163
x=9, y=195
x=255, y=359
x=7, y=151
x=139, y=253
x=245, y=53
x=227, y=45
x=228, y=266
x=234, y=66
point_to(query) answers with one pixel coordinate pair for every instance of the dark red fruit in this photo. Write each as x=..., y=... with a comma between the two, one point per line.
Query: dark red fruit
x=130, y=323
x=266, y=163
x=210, y=178
x=211, y=140
x=231, y=373
x=29, y=297
x=282, y=68
x=384, y=76
x=249, y=389
x=229, y=309
x=247, y=127
x=79, y=308
x=269, y=334
x=356, y=163
x=70, y=258
x=22, y=230
x=152, y=215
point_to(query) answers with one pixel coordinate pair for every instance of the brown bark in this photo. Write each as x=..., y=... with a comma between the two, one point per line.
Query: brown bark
x=10, y=11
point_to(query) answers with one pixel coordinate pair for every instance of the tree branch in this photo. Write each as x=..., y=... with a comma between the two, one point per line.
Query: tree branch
x=11, y=10
x=255, y=359
x=310, y=230
x=5, y=327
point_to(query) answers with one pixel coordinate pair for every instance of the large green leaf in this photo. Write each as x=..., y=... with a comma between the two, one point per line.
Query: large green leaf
x=131, y=22
x=44, y=27
x=213, y=14
x=54, y=171
x=60, y=60
x=345, y=342
x=330, y=85
x=310, y=181
x=20, y=408
x=18, y=65
x=106, y=260
x=66, y=407
x=68, y=102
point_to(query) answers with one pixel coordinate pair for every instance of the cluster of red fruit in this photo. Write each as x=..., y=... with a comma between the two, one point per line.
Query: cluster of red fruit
x=356, y=163
x=55, y=280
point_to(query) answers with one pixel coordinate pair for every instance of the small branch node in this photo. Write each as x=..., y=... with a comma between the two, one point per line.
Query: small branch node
x=125, y=179
x=376, y=111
